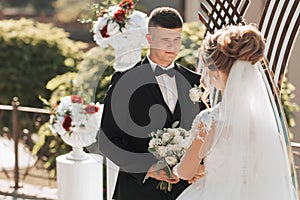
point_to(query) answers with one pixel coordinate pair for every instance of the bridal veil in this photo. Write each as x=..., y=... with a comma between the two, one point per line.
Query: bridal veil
x=247, y=159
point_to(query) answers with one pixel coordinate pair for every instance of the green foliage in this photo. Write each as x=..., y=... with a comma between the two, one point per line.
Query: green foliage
x=192, y=36
x=289, y=107
x=95, y=71
x=90, y=80
x=31, y=54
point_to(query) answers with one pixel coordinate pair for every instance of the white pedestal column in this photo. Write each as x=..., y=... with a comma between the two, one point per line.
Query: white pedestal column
x=79, y=180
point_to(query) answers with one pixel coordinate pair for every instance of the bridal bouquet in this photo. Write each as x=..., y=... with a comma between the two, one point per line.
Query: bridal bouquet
x=123, y=28
x=168, y=146
x=75, y=122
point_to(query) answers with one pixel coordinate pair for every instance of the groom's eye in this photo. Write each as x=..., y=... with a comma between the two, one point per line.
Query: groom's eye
x=165, y=39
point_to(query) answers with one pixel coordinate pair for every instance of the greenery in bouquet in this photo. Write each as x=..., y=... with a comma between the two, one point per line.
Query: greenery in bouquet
x=168, y=146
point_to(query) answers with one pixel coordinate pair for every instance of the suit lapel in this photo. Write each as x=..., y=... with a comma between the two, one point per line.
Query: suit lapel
x=185, y=110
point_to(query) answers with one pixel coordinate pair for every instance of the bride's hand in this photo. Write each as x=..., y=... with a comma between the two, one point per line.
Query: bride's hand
x=162, y=175
x=198, y=174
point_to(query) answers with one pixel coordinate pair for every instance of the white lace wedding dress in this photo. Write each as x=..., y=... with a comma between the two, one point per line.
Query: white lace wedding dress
x=244, y=155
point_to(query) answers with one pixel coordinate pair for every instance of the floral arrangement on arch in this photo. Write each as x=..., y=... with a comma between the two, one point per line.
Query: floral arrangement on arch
x=76, y=122
x=123, y=28
x=168, y=146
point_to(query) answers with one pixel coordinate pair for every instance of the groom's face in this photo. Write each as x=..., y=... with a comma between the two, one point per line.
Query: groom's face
x=164, y=44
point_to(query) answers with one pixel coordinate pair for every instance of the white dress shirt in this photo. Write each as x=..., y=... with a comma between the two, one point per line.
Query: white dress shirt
x=167, y=85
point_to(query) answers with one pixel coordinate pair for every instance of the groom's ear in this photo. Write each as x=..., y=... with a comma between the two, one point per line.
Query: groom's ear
x=149, y=38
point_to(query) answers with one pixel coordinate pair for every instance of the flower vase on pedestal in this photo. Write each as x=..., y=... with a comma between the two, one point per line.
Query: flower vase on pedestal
x=79, y=174
x=77, y=124
x=85, y=168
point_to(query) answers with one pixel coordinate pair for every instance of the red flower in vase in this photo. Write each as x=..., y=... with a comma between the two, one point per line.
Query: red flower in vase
x=120, y=15
x=67, y=123
x=103, y=32
x=76, y=99
x=91, y=109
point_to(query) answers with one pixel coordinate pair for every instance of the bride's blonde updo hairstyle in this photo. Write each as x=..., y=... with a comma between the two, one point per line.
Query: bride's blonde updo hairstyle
x=235, y=42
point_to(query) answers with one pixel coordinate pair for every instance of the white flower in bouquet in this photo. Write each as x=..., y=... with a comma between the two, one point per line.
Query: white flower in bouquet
x=166, y=137
x=75, y=122
x=168, y=146
x=195, y=94
x=177, y=139
x=161, y=151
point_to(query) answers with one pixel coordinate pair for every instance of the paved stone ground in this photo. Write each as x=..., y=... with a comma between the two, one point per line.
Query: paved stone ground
x=3, y=197
x=26, y=192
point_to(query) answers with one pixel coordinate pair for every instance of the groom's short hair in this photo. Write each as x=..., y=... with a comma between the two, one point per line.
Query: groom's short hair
x=165, y=17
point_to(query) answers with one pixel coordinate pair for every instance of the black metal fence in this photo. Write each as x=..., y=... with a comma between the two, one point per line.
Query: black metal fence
x=20, y=125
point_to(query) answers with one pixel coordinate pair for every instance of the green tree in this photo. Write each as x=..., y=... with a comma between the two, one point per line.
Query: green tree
x=289, y=107
x=31, y=54
x=192, y=36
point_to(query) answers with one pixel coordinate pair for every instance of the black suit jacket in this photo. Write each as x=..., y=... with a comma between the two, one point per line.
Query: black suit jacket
x=134, y=107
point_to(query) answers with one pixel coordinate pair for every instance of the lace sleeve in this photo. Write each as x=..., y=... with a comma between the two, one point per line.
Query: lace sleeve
x=203, y=129
x=202, y=134
x=201, y=126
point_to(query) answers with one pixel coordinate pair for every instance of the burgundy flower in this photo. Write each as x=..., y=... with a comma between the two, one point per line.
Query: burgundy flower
x=103, y=32
x=119, y=16
x=76, y=99
x=67, y=123
x=91, y=109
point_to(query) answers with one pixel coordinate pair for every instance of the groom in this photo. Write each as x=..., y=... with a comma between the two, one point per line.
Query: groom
x=150, y=96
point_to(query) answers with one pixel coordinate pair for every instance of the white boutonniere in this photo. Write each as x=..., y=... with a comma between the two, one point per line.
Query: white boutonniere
x=196, y=93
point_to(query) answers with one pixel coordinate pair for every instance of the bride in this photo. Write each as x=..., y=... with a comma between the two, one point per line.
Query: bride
x=244, y=155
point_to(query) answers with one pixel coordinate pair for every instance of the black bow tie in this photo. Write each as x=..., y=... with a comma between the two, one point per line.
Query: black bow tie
x=159, y=71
